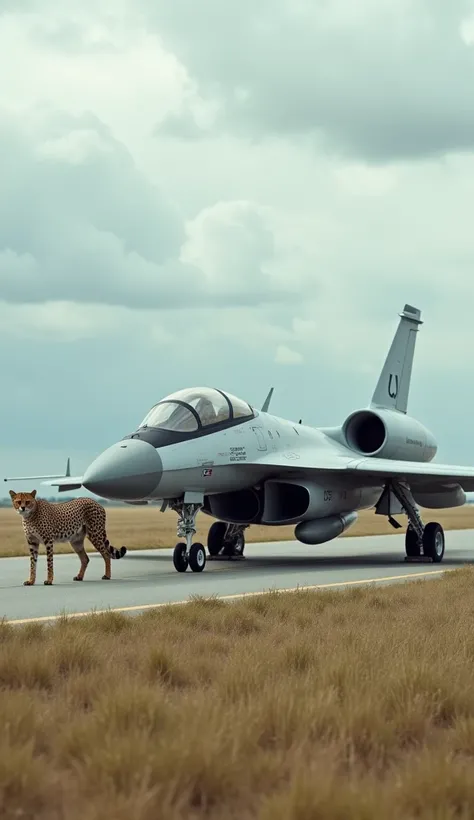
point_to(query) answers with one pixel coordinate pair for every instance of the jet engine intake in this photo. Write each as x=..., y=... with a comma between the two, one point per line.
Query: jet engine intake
x=388, y=434
x=288, y=501
x=239, y=507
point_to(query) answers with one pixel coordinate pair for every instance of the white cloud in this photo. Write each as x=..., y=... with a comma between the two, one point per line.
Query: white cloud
x=82, y=58
x=285, y=355
x=365, y=180
x=234, y=247
x=203, y=195
x=61, y=321
x=97, y=230
x=75, y=148
x=380, y=79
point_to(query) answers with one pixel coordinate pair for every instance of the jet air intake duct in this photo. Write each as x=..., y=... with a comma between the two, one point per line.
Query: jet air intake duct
x=238, y=507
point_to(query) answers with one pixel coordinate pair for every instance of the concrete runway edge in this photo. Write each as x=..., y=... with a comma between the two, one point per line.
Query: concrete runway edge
x=146, y=579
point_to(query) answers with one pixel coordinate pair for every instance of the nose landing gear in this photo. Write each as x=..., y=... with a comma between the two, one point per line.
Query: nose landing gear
x=223, y=541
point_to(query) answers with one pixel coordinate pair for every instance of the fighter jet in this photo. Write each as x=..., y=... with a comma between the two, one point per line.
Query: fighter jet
x=204, y=449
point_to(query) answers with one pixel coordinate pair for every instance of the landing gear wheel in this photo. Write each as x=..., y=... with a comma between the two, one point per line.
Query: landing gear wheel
x=239, y=544
x=179, y=557
x=433, y=542
x=412, y=545
x=226, y=540
x=215, y=537
x=185, y=553
x=432, y=535
x=234, y=541
x=197, y=558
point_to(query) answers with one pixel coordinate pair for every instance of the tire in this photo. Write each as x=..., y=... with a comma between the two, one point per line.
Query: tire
x=412, y=547
x=197, y=557
x=239, y=545
x=215, y=537
x=179, y=557
x=433, y=542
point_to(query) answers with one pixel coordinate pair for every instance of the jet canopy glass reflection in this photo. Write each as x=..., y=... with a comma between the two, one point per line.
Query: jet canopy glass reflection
x=195, y=408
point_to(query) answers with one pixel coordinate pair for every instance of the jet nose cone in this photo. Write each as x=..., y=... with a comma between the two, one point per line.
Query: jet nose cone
x=127, y=471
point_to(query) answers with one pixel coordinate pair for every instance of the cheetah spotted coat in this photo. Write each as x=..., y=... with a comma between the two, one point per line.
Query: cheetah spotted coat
x=49, y=523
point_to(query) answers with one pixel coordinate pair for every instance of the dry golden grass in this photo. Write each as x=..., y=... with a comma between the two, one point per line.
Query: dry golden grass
x=147, y=527
x=304, y=706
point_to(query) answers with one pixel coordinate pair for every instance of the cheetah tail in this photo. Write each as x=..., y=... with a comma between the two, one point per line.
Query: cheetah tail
x=113, y=552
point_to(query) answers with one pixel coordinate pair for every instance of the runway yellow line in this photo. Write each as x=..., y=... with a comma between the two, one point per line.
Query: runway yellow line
x=234, y=597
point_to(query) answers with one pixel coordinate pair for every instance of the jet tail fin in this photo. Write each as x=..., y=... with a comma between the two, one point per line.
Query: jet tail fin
x=393, y=386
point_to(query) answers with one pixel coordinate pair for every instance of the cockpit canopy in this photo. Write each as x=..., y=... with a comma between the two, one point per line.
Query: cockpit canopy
x=195, y=408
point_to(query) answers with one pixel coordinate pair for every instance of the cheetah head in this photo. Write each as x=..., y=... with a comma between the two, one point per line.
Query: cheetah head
x=24, y=503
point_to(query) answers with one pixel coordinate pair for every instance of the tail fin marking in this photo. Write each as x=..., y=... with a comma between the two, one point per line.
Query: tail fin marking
x=393, y=386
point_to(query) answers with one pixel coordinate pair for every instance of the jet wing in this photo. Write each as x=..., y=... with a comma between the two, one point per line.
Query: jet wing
x=413, y=472
x=62, y=482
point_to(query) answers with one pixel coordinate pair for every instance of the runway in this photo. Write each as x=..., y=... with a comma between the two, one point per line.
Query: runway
x=147, y=578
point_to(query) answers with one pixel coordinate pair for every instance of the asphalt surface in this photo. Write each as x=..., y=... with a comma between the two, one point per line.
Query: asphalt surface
x=147, y=578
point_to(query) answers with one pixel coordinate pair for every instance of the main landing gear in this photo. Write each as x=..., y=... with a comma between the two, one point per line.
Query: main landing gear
x=226, y=540
x=421, y=541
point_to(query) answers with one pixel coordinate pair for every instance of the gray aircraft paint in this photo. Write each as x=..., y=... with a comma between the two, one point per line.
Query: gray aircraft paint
x=393, y=386
x=338, y=470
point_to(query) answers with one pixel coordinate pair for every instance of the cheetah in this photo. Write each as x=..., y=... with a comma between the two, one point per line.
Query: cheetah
x=50, y=523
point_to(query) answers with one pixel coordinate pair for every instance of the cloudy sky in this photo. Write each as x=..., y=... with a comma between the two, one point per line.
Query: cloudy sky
x=232, y=193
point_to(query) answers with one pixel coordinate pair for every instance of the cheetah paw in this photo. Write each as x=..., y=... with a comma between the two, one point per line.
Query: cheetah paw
x=106, y=578
x=76, y=578
x=48, y=583
x=28, y=583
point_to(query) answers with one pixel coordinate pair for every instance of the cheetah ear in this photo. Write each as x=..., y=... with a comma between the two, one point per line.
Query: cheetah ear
x=12, y=493
x=33, y=493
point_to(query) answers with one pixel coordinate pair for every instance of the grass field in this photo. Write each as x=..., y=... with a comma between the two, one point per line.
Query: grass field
x=310, y=706
x=147, y=527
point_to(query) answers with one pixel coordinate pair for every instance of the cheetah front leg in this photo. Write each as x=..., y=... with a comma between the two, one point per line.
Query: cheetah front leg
x=49, y=559
x=34, y=547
